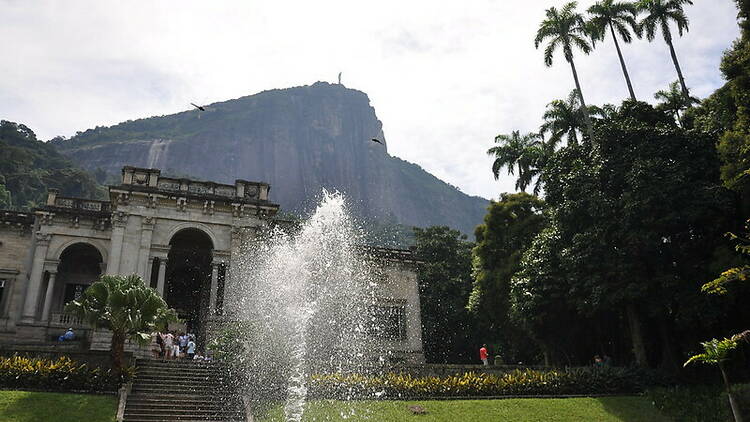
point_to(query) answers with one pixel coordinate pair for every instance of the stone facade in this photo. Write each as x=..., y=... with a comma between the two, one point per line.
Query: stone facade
x=179, y=235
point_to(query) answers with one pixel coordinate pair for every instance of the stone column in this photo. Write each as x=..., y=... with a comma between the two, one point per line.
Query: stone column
x=147, y=230
x=149, y=271
x=162, y=275
x=35, y=280
x=214, y=288
x=119, y=220
x=48, y=296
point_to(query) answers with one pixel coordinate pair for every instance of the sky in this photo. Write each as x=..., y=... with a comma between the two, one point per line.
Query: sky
x=445, y=77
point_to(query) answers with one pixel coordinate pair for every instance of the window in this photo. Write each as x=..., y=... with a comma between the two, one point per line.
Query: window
x=389, y=322
x=2, y=292
x=73, y=292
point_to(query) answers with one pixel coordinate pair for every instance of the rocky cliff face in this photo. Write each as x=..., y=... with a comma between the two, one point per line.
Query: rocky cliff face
x=299, y=140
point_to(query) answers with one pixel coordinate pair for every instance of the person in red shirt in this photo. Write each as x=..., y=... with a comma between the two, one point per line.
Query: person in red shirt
x=483, y=355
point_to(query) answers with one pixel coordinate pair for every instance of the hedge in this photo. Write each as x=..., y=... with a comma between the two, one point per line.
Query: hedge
x=527, y=382
x=699, y=403
x=62, y=374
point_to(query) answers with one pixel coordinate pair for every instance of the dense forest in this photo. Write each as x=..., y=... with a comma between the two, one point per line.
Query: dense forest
x=30, y=167
x=632, y=243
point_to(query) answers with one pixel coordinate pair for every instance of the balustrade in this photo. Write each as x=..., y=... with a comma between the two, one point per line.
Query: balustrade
x=64, y=320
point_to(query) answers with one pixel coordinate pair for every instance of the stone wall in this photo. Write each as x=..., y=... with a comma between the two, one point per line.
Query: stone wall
x=398, y=286
x=15, y=248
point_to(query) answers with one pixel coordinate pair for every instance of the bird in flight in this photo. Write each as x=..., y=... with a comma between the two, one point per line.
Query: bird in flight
x=376, y=140
x=201, y=108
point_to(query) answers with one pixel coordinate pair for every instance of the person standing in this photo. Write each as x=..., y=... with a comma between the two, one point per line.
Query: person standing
x=190, y=349
x=160, y=343
x=155, y=346
x=483, y=355
x=176, y=353
x=183, y=342
x=169, y=345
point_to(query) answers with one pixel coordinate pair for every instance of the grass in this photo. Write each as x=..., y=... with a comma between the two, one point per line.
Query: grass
x=607, y=409
x=25, y=406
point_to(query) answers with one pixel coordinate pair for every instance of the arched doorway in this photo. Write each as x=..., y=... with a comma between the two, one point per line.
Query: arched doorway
x=80, y=265
x=188, y=278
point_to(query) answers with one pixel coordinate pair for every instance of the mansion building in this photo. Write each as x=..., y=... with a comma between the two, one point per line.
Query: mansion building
x=181, y=236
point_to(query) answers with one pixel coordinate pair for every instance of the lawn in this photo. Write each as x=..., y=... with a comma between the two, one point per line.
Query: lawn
x=24, y=406
x=608, y=409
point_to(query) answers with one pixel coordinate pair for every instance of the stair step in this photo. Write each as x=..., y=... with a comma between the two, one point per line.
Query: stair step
x=168, y=418
x=174, y=369
x=213, y=384
x=176, y=414
x=184, y=391
x=161, y=362
x=178, y=395
x=173, y=390
x=185, y=378
x=171, y=404
x=163, y=419
x=169, y=407
x=182, y=411
x=182, y=365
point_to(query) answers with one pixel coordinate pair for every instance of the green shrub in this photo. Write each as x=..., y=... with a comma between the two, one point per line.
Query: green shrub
x=699, y=403
x=62, y=374
x=521, y=382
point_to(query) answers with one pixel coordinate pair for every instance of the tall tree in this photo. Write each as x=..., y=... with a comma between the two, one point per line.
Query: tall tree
x=565, y=29
x=673, y=101
x=728, y=111
x=619, y=16
x=635, y=223
x=508, y=229
x=444, y=277
x=515, y=150
x=659, y=14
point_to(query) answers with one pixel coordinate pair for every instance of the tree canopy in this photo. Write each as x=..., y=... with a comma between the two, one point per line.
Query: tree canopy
x=30, y=167
x=508, y=229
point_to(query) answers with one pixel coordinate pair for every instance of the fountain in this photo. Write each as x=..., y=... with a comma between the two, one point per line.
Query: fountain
x=304, y=301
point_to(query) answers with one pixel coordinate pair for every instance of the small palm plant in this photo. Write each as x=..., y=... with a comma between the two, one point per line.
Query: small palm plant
x=716, y=352
x=565, y=118
x=673, y=101
x=125, y=306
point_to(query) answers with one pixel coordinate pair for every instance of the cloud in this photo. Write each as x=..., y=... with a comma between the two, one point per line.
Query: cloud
x=444, y=77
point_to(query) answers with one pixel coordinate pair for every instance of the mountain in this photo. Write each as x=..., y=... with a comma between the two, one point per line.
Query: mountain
x=29, y=167
x=299, y=140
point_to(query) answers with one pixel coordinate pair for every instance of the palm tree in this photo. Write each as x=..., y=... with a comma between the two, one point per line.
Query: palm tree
x=673, y=100
x=125, y=306
x=537, y=156
x=659, y=14
x=614, y=16
x=565, y=29
x=717, y=352
x=565, y=118
x=514, y=151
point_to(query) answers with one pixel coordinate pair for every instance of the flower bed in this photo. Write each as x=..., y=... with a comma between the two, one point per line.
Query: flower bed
x=517, y=383
x=62, y=374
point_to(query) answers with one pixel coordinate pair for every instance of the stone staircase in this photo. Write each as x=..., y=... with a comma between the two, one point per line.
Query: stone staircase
x=181, y=390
